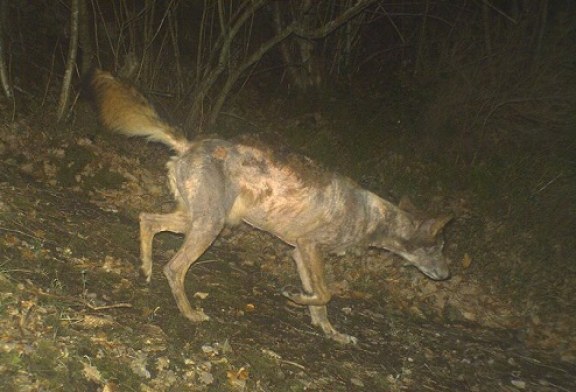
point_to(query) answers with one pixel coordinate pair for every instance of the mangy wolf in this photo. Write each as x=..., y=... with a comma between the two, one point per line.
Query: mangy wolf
x=217, y=182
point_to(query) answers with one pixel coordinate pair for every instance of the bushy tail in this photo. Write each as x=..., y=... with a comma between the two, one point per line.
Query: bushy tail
x=122, y=108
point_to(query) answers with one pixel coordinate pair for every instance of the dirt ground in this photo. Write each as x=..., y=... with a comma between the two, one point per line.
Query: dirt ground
x=75, y=316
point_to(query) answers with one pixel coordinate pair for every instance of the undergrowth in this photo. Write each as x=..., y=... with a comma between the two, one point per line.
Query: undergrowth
x=499, y=131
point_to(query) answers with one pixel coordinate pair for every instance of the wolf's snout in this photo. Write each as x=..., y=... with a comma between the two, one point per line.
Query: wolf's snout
x=436, y=272
x=439, y=274
x=444, y=275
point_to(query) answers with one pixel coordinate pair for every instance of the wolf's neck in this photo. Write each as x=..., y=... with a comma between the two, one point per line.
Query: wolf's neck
x=390, y=221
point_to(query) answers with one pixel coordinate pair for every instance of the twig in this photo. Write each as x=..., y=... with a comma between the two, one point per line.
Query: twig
x=229, y=114
x=543, y=187
x=22, y=233
x=301, y=367
x=498, y=10
x=76, y=300
x=112, y=306
x=329, y=27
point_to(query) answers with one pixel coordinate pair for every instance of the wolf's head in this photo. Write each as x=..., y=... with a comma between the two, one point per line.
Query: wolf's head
x=424, y=248
x=419, y=242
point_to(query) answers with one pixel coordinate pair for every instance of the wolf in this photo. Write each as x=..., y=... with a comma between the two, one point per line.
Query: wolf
x=219, y=182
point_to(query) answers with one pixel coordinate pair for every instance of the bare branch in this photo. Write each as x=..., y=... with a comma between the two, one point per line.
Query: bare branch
x=498, y=10
x=329, y=27
x=253, y=59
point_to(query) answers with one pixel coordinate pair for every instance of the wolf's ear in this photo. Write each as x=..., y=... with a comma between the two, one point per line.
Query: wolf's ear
x=432, y=227
x=406, y=204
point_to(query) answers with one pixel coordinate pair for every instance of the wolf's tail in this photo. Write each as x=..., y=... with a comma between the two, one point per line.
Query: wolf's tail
x=122, y=108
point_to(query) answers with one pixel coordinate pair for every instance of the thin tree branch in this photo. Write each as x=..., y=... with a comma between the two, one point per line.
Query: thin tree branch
x=329, y=27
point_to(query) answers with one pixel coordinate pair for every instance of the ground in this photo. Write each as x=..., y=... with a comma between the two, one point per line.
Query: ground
x=76, y=316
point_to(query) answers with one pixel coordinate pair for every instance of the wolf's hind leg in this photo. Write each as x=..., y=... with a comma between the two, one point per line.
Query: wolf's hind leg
x=150, y=225
x=202, y=189
x=201, y=234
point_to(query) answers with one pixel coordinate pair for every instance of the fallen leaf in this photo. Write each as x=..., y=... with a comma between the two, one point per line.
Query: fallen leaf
x=200, y=295
x=237, y=379
x=466, y=261
x=91, y=373
x=92, y=322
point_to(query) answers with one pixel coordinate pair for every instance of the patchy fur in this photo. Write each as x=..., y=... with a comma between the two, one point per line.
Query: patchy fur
x=217, y=182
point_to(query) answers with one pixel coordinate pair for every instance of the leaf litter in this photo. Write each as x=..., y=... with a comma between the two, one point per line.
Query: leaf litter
x=75, y=317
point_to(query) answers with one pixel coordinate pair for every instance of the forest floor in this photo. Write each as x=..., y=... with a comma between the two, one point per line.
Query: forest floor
x=75, y=315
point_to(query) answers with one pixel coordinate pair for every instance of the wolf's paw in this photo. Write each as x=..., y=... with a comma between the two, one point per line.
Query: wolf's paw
x=302, y=298
x=145, y=274
x=292, y=293
x=342, y=338
x=197, y=316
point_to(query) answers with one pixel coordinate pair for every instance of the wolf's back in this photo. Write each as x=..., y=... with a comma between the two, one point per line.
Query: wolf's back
x=122, y=108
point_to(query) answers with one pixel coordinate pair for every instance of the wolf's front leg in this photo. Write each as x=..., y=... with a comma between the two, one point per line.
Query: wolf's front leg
x=200, y=235
x=316, y=294
x=311, y=271
x=319, y=316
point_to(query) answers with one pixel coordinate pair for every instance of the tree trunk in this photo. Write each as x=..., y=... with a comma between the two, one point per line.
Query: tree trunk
x=70, y=60
x=4, y=79
x=85, y=37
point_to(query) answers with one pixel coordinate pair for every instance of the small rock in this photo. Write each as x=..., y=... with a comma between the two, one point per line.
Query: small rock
x=205, y=378
x=357, y=382
x=519, y=384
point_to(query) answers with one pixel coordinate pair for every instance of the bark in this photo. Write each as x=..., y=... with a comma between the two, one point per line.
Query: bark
x=70, y=60
x=4, y=78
